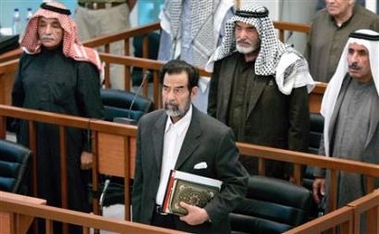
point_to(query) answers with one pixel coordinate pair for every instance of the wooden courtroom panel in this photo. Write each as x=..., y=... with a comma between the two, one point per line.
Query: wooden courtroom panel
x=112, y=155
x=315, y=97
x=17, y=223
x=6, y=84
x=10, y=55
x=7, y=73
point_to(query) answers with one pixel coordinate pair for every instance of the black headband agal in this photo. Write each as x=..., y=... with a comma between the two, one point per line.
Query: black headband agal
x=364, y=36
x=250, y=14
x=55, y=9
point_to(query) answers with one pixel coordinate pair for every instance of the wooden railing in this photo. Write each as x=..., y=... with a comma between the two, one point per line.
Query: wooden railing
x=347, y=218
x=103, y=150
x=114, y=152
x=14, y=222
x=285, y=26
x=24, y=209
x=334, y=165
x=8, y=69
x=106, y=40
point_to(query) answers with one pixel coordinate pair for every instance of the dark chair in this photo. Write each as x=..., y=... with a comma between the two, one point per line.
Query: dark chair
x=271, y=206
x=123, y=107
x=120, y=104
x=14, y=160
x=315, y=133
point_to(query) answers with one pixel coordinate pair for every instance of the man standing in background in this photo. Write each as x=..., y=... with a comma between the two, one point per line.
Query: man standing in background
x=191, y=31
x=57, y=74
x=350, y=107
x=330, y=30
x=259, y=87
x=101, y=17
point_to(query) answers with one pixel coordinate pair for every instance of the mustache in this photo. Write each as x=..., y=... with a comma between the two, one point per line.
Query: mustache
x=171, y=103
x=354, y=66
x=244, y=41
x=46, y=37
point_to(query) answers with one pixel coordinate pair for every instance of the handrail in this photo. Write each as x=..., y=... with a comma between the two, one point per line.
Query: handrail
x=127, y=133
x=105, y=40
x=7, y=70
x=115, y=37
x=348, y=218
x=283, y=26
x=87, y=221
x=342, y=217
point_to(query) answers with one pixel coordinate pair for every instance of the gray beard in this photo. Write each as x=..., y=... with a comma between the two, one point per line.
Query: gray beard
x=177, y=112
x=246, y=50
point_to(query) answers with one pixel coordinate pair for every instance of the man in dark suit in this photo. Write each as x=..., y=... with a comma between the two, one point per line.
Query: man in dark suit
x=183, y=138
x=259, y=87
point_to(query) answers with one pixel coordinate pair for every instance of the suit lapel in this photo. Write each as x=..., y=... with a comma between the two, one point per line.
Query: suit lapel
x=226, y=85
x=157, y=135
x=259, y=85
x=191, y=140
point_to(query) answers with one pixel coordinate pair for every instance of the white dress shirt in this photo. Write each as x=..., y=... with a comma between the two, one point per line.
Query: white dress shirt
x=173, y=140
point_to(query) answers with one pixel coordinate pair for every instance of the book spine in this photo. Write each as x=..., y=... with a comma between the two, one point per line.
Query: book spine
x=168, y=193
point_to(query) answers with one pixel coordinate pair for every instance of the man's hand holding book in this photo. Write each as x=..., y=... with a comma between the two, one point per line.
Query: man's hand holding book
x=195, y=215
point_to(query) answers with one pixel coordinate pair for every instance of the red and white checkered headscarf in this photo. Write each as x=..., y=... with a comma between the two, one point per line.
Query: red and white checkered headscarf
x=72, y=48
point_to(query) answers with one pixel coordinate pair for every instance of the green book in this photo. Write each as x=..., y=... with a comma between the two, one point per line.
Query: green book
x=190, y=188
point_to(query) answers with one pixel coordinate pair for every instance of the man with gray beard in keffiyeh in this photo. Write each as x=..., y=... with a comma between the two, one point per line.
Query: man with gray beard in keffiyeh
x=260, y=87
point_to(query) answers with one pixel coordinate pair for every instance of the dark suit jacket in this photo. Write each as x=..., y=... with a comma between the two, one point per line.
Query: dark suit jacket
x=207, y=140
x=274, y=119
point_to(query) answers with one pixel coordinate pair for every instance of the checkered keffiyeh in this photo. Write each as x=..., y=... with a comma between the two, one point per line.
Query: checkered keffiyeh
x=274, y=58
x=271, y=47
x=71, y=47
x=202, y=27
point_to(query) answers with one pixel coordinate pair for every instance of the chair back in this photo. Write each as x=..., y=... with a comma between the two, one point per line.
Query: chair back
x=124, y=104
x=271, y=206
x=315, y=133
x=14, y=160
x=316, y=129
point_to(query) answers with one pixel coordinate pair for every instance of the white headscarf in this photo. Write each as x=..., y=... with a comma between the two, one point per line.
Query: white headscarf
x=370, y=40
x=274, y=57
